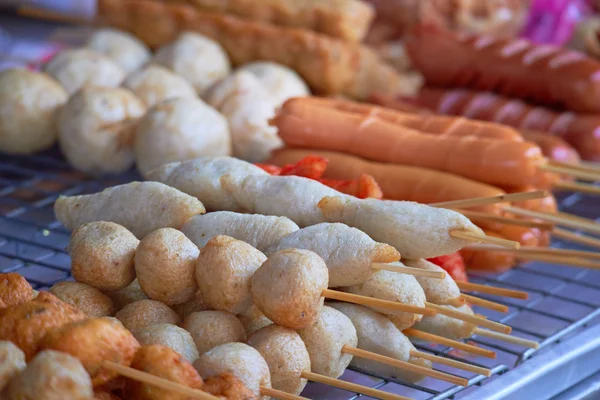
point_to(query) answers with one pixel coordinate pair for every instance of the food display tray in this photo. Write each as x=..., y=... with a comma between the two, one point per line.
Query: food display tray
x=561, y=313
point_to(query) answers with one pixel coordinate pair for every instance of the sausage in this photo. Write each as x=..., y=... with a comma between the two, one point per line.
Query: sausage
x=553, y=147
x=489, y=261
x=582, y=131
x=546, y=74
x=501, y=162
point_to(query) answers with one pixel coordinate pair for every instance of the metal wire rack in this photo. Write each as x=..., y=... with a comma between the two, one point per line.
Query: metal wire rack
x=563, y=301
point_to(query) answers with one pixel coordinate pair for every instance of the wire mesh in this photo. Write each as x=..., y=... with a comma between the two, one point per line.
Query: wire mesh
x=562, y=300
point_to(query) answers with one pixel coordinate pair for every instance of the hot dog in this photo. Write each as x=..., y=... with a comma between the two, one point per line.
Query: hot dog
x=546, y=74
x=579, y=130
x=488, y=261
x=496, y=162
x=553, y=147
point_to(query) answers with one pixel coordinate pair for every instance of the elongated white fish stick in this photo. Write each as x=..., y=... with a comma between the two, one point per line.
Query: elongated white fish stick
x=141, y=207
x=259, y=231
x=438, y=291
x=294, y=197
x=415, y=230
x=347, y=252
x=448, y=327
x=200, y=178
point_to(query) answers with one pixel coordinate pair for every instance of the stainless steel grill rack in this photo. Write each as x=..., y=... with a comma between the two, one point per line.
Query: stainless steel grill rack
x=562, y=312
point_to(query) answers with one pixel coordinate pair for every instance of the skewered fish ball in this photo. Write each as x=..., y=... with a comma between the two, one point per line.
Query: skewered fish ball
x=85, y=298
x=253, y=319
x=26, y=324
x=228, y=386
x=165, y=261
x=239, y=359
x=165, y=363
x=126, y=50
x=144, y=313
x=223, y=273
x=51, y=375
x=12, y=362
x=195, y=304
x=29, y=102
x=129, y=294
x=377, y=334
x=200, y=60
x=281, y=82
x=96, y=129
x=93, y=341
x=179, y=129
x=285, y=354
x=76, y=68
x=325, y=340
x=14, y=289
x=393, y=286
x=288, y=287
x=102, y=255
x=213, y=328
x=155, y=84
x=438, y=291
x=171, y=336
x=448, y=327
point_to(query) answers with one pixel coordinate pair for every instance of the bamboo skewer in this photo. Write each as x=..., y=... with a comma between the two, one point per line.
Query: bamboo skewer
x=456, y=302
x=577, y=187
x=580, y=223
x=579, y=174
x=550, y=257
x=352, y=387
x=158, y=381
x=485, y=303
x=449, y=342
x=477, y=215
x=493, y=290
x=594, y=166
x=576, y=237
x=480, y=238
x=472, y=319
x=482, y=201
x=543, y=250
x=405, y=365
x=374, y=302
x=278, y=394
x=580, y=166
x=451, y=363
x=508, y=338
x=409, y=270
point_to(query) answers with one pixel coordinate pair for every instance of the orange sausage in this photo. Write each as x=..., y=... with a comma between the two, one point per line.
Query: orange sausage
x=497, y=162
x=488, y=261
x=546, y=204
x=524, y=235
x=553, y=147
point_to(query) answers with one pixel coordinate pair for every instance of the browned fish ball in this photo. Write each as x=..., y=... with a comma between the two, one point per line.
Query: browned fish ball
x=253, y=320
x=239, y=359
x=93, y=341
x=102, y=255
x=288, y=287
x=195, y=304
x=12, y=362
x=14, y=289
x=165, y=261
x=285, y=354
x=51, y=375
x=85, y=298
x=228, y=386
x=165, y=363
x=172, y=336
x=130, y=294
x=144, y=313
x=102, y=395
x=213, y=328
x=26, y=324
x=223, y=272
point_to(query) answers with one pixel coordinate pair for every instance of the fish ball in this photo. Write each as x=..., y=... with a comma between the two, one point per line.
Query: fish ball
x=144, y=313
x=448, y=327
x=12, y=362
x=253, y=319
x=85, y=298
x=130, y=294
x=155, y=84
x=171, y=336
x=126, y=50
x=213, y=328
x=195, y=304
x=282, y=82
x=14, y=289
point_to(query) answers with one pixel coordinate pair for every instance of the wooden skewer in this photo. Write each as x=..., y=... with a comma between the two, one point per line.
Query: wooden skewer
x=576, y=237
x=373, y=302
x=577, y=187
x=496, y=326
x=481, y=238
x=588, y=225
x=409, y=270
x=508, y=338
x=485, y=303
x=451, y=363
x=418, y=369
x=449, y=342
x=566, y=261
x=581, y=166
x=477, y=215
x=478, y=287
x=594, y=166
x=579, y=174
x=278, y=394
x=352, y=387
x=34, y=12
x=482, y=201
x=594, y=255
x=157, y=381
x=456, y=302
